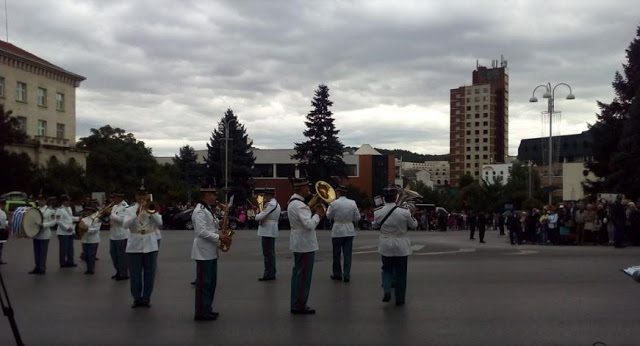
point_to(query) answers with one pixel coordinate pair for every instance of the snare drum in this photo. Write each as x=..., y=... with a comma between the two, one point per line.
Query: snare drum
x=26, y=221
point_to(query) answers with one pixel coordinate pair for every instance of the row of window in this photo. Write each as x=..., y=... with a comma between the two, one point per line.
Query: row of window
x=285, y=170
x=478, y=148
x=21, y=94
x=477, y=140
x=477, y=132
x=477, y=107
x=484, y=90
x=42, y=127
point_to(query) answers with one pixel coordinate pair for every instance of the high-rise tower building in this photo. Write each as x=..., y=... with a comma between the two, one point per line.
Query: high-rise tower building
x=479, y=121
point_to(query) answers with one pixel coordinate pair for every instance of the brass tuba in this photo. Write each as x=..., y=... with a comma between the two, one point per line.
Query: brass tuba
x=408, y=199
x=325, y=194
x=260, y=201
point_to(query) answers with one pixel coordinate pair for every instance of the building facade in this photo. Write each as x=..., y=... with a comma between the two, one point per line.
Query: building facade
x=438, y=171
x=501, y=172
x=479, y=122
x=42, y=96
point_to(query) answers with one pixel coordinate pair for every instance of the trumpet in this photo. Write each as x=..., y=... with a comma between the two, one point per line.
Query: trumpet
x=325, y=194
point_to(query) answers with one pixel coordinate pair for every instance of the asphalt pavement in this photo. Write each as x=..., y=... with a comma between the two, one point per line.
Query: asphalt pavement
x=459, y=292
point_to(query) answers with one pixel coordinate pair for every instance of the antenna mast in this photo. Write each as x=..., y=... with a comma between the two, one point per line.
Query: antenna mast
x=6, y=19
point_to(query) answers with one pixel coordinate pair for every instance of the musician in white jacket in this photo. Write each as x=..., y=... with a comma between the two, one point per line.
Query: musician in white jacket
x=65, y=221
x=142, y=248
x=205, y=252
x=268, y=232
x=394, y=244
x=344, y=212
x=118, y=237
x=91, y=240
x=41, y=240
x=304, y=245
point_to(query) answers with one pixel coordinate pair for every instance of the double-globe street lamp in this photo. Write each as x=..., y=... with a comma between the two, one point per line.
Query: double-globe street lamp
x=549, y=94
x=224, y=126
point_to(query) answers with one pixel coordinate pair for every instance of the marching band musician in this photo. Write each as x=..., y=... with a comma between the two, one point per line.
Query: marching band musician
x=41, y=240
x=394, y=243
x=91, y=240
x=118, y=237
x=205, y=252
x=268, y=230
x=65, y=220
x=4, y=227
x=304, y=243
x=344, y=212
x=142, y=248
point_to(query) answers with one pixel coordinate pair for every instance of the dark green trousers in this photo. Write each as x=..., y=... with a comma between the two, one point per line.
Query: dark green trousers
x=395, y=268
x=301, y=279
x=118, y=256
x=206, y=280
x=143, y=272
x=269, y=254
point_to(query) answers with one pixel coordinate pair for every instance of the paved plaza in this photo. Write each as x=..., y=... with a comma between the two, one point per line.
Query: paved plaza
x=459, y=293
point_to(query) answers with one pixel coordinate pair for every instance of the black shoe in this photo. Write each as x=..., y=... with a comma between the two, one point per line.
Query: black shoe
x=306, y=311
x=35, y=271
x=136, y=305
x=482, y=241
x=193, y=283
x=347, y=279
x=399, y=303
x=266, y=279
x=3, y=262
x=89, y=272
x=72, y=264
x=206, y=317
x=145, y=304
x=472, y=238
x=336, y=277
x=114, y=276
x=387, y=297
x=120, y=278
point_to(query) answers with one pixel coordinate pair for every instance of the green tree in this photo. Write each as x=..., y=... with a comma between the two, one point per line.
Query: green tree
x=610, y=130
x=10, y=131
x=18, y=172
x=465, y=180
x=62, y=178
x=116, y=160
x=321, y=155
x=241, y=158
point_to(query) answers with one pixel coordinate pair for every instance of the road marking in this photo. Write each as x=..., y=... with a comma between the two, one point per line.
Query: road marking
x=444, y=252
x=522, y=252
x=416, y=247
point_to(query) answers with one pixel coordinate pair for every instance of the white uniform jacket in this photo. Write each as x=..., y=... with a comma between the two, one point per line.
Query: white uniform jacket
x=205, y=228
x=118, y=231
x=93, y=234
x=344, y=212
x=142, y=236
x=394, y=241
x=65, y=220
x=268, y=219
x=48, y=221
x=4, y=222
x=303, y=226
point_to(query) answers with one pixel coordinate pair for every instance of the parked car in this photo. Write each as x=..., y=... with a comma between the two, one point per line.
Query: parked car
x=182, y=220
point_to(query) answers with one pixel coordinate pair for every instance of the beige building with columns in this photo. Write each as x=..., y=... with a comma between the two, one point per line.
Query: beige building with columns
x=42, y=96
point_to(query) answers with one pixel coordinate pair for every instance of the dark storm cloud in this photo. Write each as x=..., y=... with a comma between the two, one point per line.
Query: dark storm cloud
x=168, y=70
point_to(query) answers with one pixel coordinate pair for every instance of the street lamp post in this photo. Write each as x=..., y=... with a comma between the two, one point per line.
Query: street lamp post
x=550, y=95
x=226, y=123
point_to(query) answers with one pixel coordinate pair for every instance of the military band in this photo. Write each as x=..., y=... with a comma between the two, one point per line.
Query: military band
x=268, y=232
x=91, y=241
x=65, y=221
x=303, y=243
x=142, y=248
x=344, y=212
x=394, y=244
x=41, y=240
x=118, y=237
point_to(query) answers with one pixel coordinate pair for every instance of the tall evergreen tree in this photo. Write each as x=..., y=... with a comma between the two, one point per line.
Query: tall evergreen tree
x=612, y=125
x=241, y=158
x=187, y=163
x=321, y=155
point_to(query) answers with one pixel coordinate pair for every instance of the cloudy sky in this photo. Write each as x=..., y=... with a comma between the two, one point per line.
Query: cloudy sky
x=167, y=70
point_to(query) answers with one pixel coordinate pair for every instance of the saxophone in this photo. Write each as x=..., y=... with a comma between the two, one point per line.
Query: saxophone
x=224, y=247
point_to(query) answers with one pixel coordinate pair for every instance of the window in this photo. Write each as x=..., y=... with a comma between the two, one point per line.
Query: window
x=468, y=148
x=477, y=148
x=485, y=123
x=21, y=92
x=352, y=170
x=468, y=99
x=42, y=128
x=60, y=101
x=485, y=90
x=485, y=107
x=485, y=148
x=485, y=115
x=477, y=107
x=477, y=123
x=468, y=157
x=1, y=86
x=60, y=131
x=468, y=166
x=477, y=98
x=484, y=98
x=468, y=132
x=468, y=141
x=468, y=108
x=477, y=157
x=485, y=140
x=42, y=97
x=485, y=157
x=477, y=91
x=468, y=172
x=468, y=124
x=22, y=124
x=477, y=173
x=485, y=132
x=477, y=165
x=477, y=132
x=477, y=140
x=477, y=116
x=264, y=170
x=468, y=91
x=285, y=170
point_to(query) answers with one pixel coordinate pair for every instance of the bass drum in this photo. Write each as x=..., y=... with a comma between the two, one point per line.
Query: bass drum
x=26, y=221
